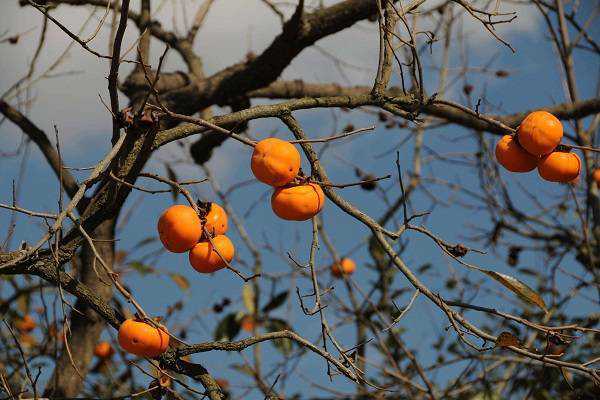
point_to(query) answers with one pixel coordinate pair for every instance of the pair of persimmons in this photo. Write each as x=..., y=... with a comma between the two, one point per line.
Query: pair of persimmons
x=536, y=144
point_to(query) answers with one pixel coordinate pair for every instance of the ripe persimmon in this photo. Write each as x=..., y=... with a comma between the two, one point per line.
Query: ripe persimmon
x=346, y=266
x=247, y=323
x=596, y=176
x=216, y=220
x=513, y=157
x=142, y=339
x=540, y=132
x=205, y=259
x=559, y=166
x=275, y=162
x=179, y=228
x=103, y=350
x=298, y=202
x=26, y=324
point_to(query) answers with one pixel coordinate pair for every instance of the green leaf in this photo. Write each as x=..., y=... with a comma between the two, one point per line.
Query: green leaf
x=228, y=328
x=276, y=325
x=180, y=281
x=249, y=298
x=524, y=292
x=141, y=268
x=276, y=302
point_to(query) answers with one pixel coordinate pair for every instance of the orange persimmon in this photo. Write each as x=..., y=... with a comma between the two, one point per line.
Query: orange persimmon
x=298, y=202
x=559, y=166
x=205, y=259
x=275, y=162
x=142, y=339
x=540, y=132
x=179, y=228
x=513, y=157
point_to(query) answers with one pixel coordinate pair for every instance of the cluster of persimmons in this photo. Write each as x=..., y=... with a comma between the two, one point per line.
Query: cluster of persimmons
x=200, y=229
x=537, y=145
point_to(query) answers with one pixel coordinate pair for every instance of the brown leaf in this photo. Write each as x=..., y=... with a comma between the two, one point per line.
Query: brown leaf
x=506, y=339
x=172, y=176
x=180, y=281
x=249, y=298
x=524, y=292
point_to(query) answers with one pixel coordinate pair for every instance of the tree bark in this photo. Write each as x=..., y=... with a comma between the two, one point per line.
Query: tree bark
x=86, y=326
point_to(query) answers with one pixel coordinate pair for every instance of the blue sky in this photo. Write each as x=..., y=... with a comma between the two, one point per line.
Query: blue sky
x=71, y=102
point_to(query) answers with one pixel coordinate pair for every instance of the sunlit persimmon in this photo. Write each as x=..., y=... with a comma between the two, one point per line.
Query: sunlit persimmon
x=596, y=176
x=346, y=266
x=513, y=157
x=275, y=162
x=103, y=350
x=204, y=258
x=298, y=202
x=142, y=339
x=247, y=323
x=26, y=324
x=559, y=166
x=216, y=220
x=179, y=228
x=540, y=132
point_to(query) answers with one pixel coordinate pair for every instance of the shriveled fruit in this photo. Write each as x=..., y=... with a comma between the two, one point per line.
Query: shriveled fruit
x=298, y=203
x=247, y=323
x=596, y=176
x=559, y=167
x=540, y=132
x=275, y=162
x=216, y=220
x=179, y=228
x=103, y=350
x=346, y=266
x=142, y=339
x=513, y=157
x=26, y=324
x=205, y=259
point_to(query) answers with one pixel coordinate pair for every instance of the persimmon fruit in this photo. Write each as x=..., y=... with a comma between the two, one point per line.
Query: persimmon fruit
x=216, y=220
x=559, y=166
x=179, y=228
x=596, y=176
x=205, y=259
x=540, y=132
x=298, y=202
x=346, y=266
x=247, y=323
x=275, y=162
x=142, y=339
x=513, y=157
x=26, y=324
x=103, y=350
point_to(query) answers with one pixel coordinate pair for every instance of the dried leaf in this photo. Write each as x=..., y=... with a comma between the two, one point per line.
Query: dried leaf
x=228, y=328
x=172, y=176
x=141, y=268
x=524, y=292
x=249, y=298
x=507, y=339
x=180, y=281
x=276, y=302
x=276, y=325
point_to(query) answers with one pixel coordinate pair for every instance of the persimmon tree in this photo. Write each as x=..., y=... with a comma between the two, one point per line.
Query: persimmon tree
x=426, y=229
